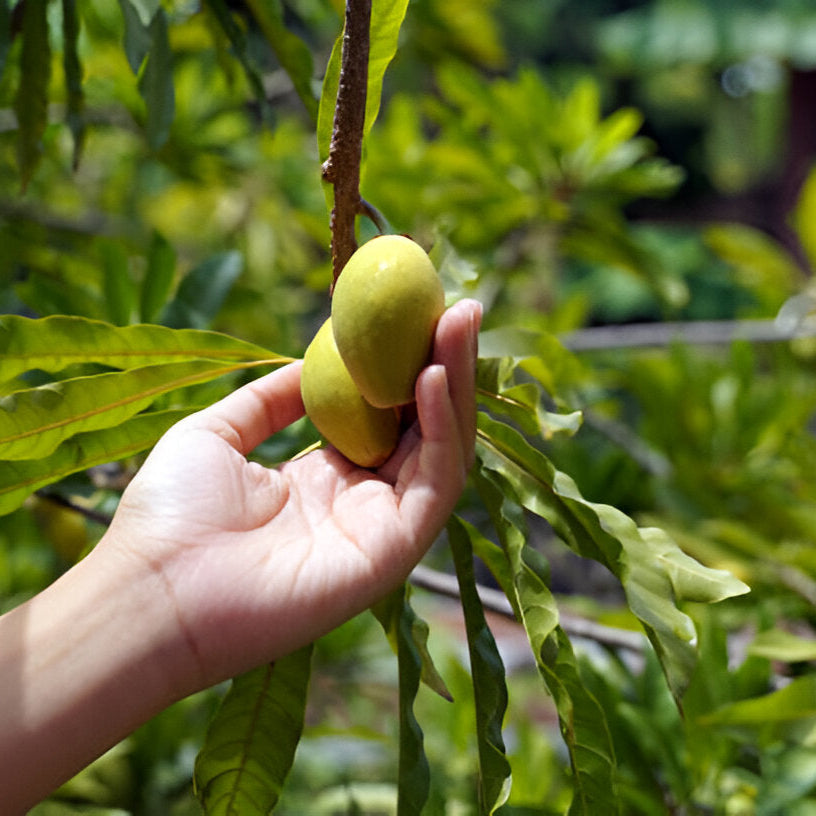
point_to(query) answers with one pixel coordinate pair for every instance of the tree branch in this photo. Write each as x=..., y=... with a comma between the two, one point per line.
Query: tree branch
x=342, y=168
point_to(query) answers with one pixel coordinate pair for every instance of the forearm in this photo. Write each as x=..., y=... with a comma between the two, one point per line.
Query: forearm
x=81, y=666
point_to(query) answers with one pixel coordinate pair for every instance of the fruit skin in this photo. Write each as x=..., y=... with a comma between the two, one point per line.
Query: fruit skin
x=362, y=433
x=385, y=307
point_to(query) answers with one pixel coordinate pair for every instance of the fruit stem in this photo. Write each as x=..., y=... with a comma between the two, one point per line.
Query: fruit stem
x=342, y=168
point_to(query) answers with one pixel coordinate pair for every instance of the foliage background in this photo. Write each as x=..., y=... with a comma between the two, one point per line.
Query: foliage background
x=587, y=165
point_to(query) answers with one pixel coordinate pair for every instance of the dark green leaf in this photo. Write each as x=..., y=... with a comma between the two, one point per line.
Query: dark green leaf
x=251, y=743
x=237, y=38
x=292, y=53
x=137, y=35
x=158, y=280
x=31, y=100
x=156, y=84
x=119, y=288
x=75, y=102
x=583, y=724
x=18, y=479
x=56, y=342
x=34, y=421
x=398, y=620
x=203, y=290
x=5, y=33
x=487, y=671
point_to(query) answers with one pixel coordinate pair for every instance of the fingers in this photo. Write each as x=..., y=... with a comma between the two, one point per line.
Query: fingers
x=254, y=412
x=456, y=348
x=431, y=482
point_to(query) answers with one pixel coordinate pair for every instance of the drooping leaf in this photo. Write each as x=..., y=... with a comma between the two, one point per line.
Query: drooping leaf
x=237, y=38
x=386, y=21
x=584, y=727
x=75, y=101
x=137, y=33
x=18, y=479
x=250, y=744
x=156, y=84
x=292, y=53
x=203, y=291
x=777, y=644
x=56, y=342
x=389, y=612
x=31, y=100
x=487, y=672
x=398, y=619
x=5, y=33
x=158, y=279
x=34, y=421
x=654, y=573
x=144, y=9
x=118, y=285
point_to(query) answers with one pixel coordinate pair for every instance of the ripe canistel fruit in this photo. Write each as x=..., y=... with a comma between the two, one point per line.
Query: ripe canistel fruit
x=385, y=307
x=362, y=433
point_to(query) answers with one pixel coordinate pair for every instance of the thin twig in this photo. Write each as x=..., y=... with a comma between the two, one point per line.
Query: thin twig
x=495, y=601
x=342, y=168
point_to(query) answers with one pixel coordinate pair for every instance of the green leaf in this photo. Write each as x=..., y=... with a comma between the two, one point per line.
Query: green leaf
x=18, y=479
x=31, y=100
x=5, y=32
x=653, y=571
x=144, y=9
x=137, y=34
x=792, y=703
x=203, y=291
x=158, y=280
x=156, y=84
x=237, y=38
x=250, y=744
x=75, y=101
x=777, y=644
x=386, y=21
x=487, y=672
x=583, y=724
x=119, y=287
x=34, y=421
x=389, y=612
x=54, y=343
x=292, y=53
x=398, y=620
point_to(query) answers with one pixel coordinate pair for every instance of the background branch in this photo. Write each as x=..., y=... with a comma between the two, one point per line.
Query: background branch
x=342, y=168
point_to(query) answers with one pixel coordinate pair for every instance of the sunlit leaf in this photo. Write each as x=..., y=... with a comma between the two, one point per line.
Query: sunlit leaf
x=56, y=342
x=653, y=577
x=18, y=479
x=583, y=725
x=794, y=702
x=386, y=20
x=251, y=742
x=34, y=421
x=31, y=100
x=777, y=644
x=487, y=672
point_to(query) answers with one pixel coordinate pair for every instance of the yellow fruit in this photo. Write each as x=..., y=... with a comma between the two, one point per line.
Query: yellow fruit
x=362, y=433
x=385, y=308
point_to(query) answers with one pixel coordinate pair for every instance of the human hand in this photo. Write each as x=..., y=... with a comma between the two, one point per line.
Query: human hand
x=252, y=562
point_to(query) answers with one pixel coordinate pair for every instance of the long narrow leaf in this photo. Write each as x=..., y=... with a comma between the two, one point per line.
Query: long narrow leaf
x=54, y=343
x=654, y=577
x=250, y=745
x=18, y=479
x=583, y=724
x=292, y=53
x=75, y=101
x=35, y=421
x=398, y=619
x=487, y=672
x=386, y=21
x=31, y=100
x=156, y=83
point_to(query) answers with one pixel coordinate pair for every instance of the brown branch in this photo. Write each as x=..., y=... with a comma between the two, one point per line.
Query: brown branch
x=342, y=168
